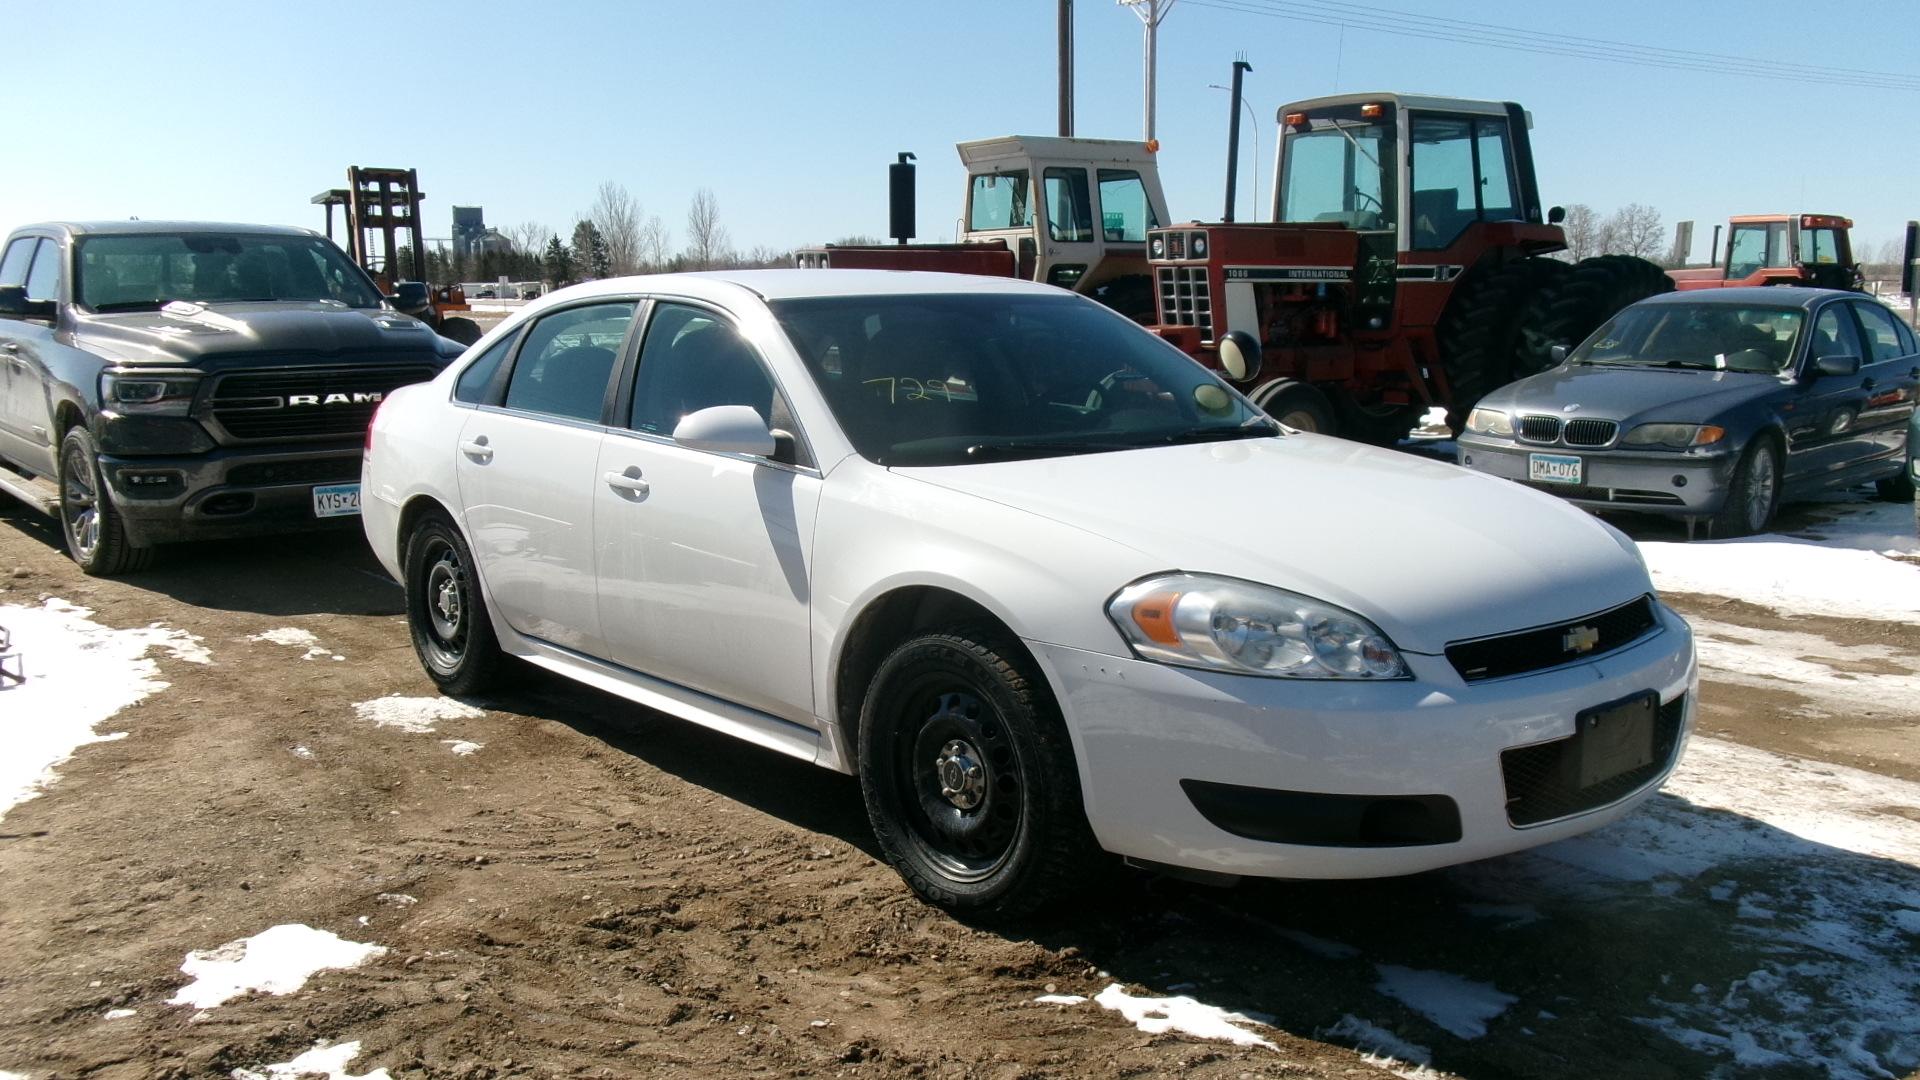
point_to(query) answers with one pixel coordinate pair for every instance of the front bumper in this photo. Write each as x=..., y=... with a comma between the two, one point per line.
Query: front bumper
x=1644, y=481
x=1141, y=729
x=226, y=493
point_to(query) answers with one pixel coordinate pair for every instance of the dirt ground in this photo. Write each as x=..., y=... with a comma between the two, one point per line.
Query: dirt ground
x=598, y=891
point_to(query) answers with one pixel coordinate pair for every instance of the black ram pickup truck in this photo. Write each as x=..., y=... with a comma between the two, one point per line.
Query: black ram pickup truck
x=168, y=381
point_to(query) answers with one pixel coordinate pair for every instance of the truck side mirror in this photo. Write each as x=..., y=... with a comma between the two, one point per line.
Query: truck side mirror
x=1556, y=215
x=1240, y=356
x=13, y=301
x=1558, y=354
x=410, y=296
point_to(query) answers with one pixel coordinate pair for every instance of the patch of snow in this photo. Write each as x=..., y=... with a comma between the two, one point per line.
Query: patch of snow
x=1837, y=568
x=1374, y=1040
x=397, y=899
x=297, y=638
x=462, y=747
x=1060, y=999
x=322, y=1060
x=1159, y=1015
x=278, y=960
x=1807, y=664
x=414, y=715
x=5, y=1075
x=1458, y=1005
x=116, y=1014
x=303, y=753
x=79, y=674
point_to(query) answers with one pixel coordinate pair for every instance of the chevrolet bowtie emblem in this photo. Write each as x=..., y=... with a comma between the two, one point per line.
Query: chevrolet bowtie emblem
x=1580, y=639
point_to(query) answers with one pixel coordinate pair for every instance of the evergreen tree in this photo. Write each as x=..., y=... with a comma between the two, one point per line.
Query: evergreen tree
x=599, y=256
x=558, y=263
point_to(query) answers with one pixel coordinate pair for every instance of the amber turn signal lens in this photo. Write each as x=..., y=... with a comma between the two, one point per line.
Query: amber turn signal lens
x=1154, y=616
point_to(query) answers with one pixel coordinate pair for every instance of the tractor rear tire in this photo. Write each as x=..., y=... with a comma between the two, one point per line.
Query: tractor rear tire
x=465, y=331
x=1590, y=294
x=1376, y=425
x=1479, y=334
x=1298, y=405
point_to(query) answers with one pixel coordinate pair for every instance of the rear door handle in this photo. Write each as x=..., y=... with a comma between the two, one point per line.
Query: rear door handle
x=477, y=449
x=1866, y=384
x=628, y=481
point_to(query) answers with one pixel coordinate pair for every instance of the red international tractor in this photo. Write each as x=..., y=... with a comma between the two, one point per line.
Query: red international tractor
x=1406, y=266
x=1780, y=249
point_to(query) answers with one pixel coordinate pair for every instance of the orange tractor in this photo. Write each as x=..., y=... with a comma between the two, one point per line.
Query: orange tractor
x=1780, y=249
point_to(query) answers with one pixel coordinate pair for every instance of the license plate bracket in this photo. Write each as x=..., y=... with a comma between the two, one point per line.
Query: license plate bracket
x=1555, y=468
x=1613, y=739
x=336, y=500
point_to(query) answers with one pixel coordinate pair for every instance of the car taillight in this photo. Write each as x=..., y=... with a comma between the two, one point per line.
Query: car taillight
x=373, y=422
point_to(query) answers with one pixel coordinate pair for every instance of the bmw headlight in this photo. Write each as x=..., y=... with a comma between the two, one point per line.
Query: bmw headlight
x=1490, y=422
x=1676, y=436
x=1223, y=624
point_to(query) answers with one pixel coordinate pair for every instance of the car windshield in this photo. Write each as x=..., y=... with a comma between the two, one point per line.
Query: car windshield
x=1719, y=337
x=142, y=271
x=956, y=379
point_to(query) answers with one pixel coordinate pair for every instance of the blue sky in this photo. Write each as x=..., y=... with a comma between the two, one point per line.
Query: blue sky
x=790, y=109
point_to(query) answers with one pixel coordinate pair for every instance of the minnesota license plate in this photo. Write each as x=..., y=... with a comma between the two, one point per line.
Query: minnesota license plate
x=336, y=500
x=1553, y=468
x=1614, y=739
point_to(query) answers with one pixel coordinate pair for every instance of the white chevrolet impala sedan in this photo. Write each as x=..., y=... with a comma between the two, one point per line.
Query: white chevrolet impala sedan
x=1050, y=589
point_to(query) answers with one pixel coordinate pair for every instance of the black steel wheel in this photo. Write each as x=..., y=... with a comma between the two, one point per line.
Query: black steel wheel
x=969, y=777
x=1754, y=494
x=446, y=613
x=96, y=534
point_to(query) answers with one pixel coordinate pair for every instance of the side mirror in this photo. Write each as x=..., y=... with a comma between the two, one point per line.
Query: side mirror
x=410, y=296
x=1556, y=215
x=1842, y=366
x=725, y=429
x=1240, y=356
x=13, y=301
x=1558, y=354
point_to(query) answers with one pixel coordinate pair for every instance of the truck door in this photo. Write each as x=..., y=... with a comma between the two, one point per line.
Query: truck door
x=1069, y=246
x=25, y=437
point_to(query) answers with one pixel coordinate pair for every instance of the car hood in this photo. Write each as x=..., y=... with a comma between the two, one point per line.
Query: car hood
x=187, y=334
x=1430, y=552
x=1680, y=394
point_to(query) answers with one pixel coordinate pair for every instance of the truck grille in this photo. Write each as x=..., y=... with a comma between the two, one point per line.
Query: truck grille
x=1185, y=299
x=1586, y=432
x=304, y=403
x=1539, y=429
x=1539, y=781
x=1548, y=646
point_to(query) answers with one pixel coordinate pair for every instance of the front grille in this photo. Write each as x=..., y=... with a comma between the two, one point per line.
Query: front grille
x=1539, y=429
x=1185, y=299
x=1551, y=646
x=1539, y=778
x=261, y=405
x=310, y=471
x=1622, y=496
x=1585, y=432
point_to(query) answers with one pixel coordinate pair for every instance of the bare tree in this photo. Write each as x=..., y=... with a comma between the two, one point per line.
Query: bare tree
x=706, y=237
x=1634, y=229
x=1582, y=228
x=529, y=237
x=656, y=244
x=619, y=219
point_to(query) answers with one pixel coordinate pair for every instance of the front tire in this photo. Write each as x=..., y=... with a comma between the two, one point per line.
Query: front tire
x=1754, y=494
x=95, y=532
x=969, y=777
x=1298, y=405
x=463, y=330
x=446, y=613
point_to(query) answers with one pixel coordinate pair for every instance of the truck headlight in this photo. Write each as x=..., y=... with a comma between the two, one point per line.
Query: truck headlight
x=1677, y=436
x=158, y=393
x=1490, y=422
x=1224, y=624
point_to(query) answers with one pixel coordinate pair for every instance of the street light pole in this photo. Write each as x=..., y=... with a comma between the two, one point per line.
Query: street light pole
x=1151, y=12
x=1254, y=127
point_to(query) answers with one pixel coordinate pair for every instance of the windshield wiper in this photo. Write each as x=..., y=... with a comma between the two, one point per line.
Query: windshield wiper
x=1041, y=448
x=1693, y=365
x=1259, y=429
x=126, y=305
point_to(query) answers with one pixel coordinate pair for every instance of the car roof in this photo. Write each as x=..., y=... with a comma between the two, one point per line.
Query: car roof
x=1749, y=295
x=799, y=284
x=134, y=227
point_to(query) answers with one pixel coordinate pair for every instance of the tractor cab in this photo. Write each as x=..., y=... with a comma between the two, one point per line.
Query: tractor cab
x=1780, y=249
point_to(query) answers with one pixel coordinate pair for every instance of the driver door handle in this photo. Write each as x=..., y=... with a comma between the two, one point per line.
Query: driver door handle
x=1866, y=384
x=477, y=449
x=628, y=481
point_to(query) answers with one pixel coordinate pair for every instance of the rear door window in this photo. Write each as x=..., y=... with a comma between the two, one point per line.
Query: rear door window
x=475, y=383
x=1884, y=341
x=568, y=360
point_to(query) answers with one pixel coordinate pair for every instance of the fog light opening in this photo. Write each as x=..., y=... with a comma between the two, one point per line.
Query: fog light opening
x=1679, y=481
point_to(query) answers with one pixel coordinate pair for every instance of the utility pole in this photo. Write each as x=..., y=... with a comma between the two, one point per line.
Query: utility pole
x=1065, y=35
x=1151, y=13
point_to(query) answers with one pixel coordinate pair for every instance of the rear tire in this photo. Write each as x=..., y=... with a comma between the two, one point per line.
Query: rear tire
x=969, y=777
x=463, y=330
x=446, y=614
x=95, y=533
x=1479, y=334
x=1592, y=292
x=1298, y=405
x=1754, y=494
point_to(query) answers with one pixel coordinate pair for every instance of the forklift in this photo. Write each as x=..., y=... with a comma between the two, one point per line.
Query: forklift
x=387, y=202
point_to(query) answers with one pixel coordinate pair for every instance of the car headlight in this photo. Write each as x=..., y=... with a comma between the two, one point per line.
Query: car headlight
x=163, y=393
x=1677, y=436
x=1490, y=422
x=1224, y=624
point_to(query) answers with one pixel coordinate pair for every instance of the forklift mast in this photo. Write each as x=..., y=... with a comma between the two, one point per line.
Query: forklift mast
x=382, y=203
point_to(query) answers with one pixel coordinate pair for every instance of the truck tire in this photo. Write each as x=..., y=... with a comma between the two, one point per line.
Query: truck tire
x=1588, y=295
x=463, y=330
x=1130, y=295
x=1479, y=333
x=95, y=533
x=1298, y=405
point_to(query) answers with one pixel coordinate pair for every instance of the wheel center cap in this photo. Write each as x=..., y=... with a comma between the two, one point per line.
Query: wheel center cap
x=963, y=779
x=448, y=602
